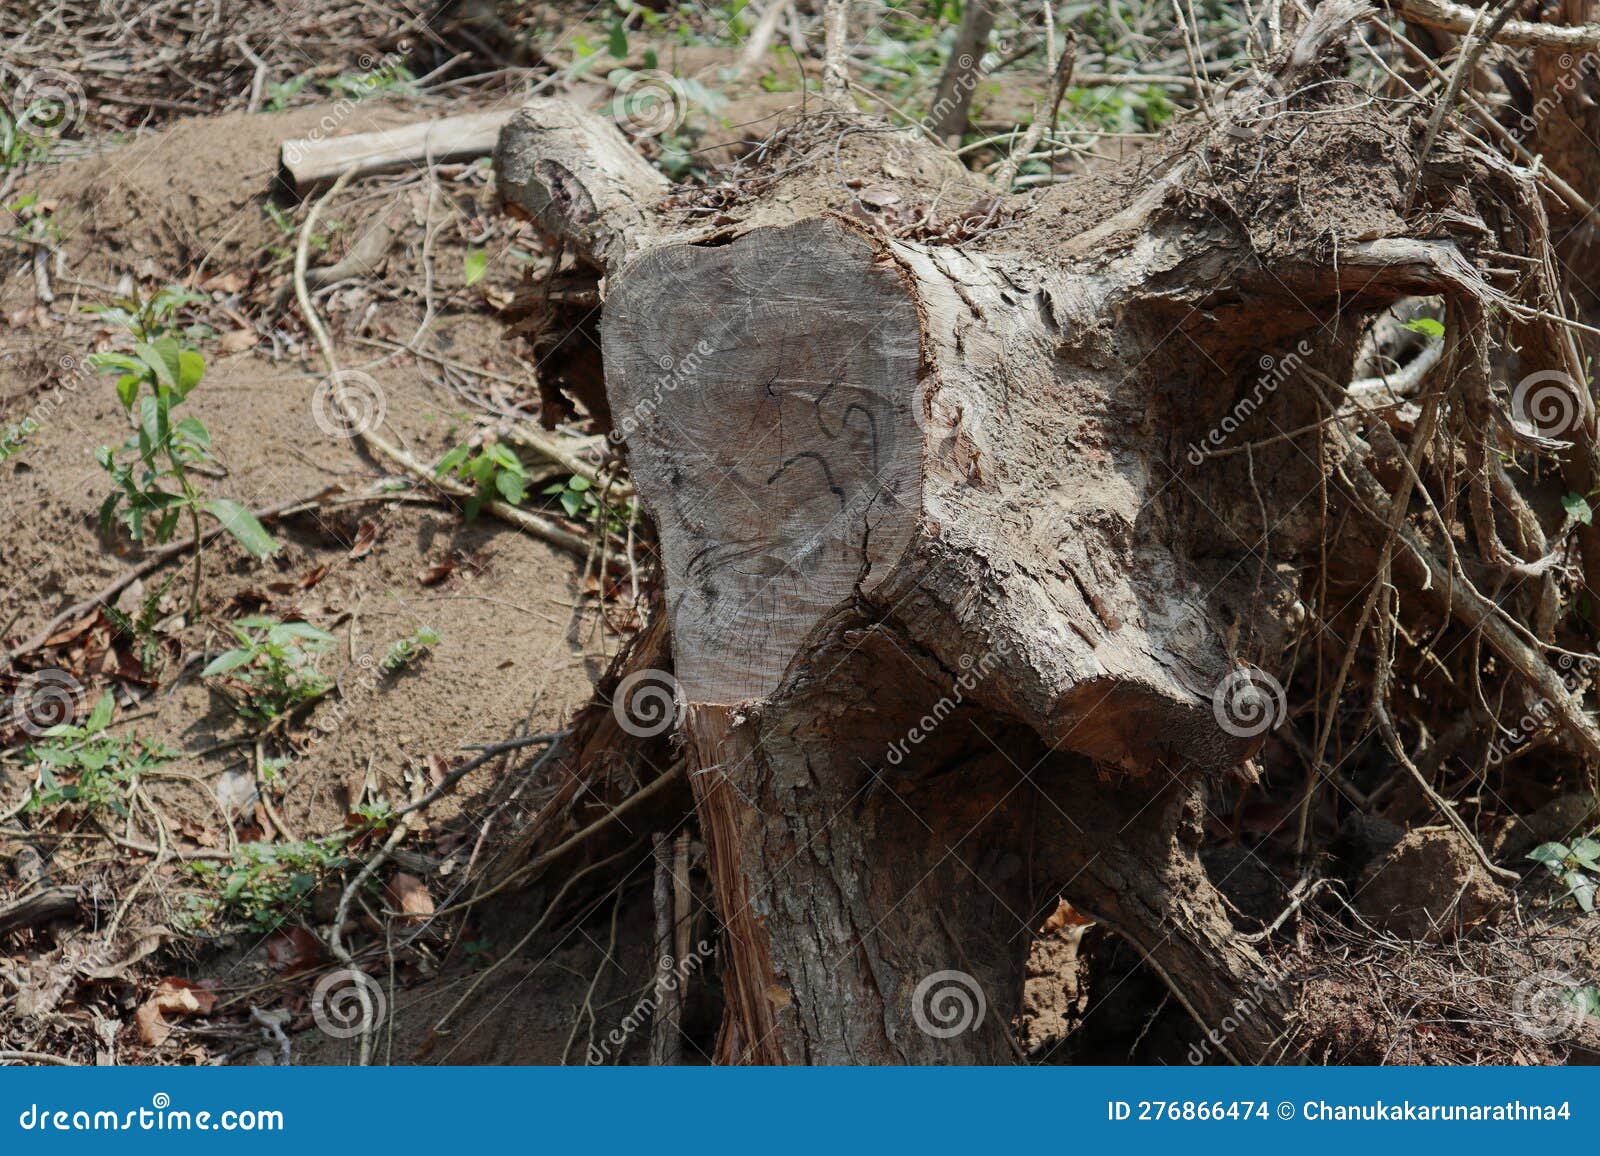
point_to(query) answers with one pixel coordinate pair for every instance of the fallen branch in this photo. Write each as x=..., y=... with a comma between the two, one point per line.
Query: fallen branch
x=305, y=164
x=1517, y=33
x=39, y=908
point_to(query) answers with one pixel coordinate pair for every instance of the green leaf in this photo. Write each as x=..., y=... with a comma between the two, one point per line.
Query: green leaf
x=242, y=524
x=1587, y=853
x=1579, y=510
x=226, y=661
x=304, y=630
x=1582, y=888
x=578, y=482
x=1426, y=326
x=194, y=430
x=474, y=265
x=571, y=503
x=617, y=41
x=100, y=717
x=128, y=389
x=191, y=368
x=510, y=486
x=162, y=358
x=450, y=461
x=1550, y=854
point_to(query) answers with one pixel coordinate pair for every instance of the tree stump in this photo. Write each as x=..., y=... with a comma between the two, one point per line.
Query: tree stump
x=970, y=590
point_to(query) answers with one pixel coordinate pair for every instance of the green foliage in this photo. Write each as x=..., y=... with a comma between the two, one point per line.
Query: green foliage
x=473, y=266
x=17, y=145
x=280, y=96
x=1576, y=867
x=496, y=472
x=88, y=768
x=578, y=498
x=1426, y=326
x=36, y=225
x=405, y=651
x=155, y=489
x=273, y=667
x=393, y=77
x=141, y=627
x=1578, y=508
x=265, y=884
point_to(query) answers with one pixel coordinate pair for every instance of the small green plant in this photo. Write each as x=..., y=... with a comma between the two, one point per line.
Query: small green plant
x=36, y=224
x=496, y=472
x=405, y=651
x=578, y=498
x=17, y=145
x=264, y=884
x=273, y=669
x=280, y=96
x=1576, y=867
x=157, y=489
x=85, y=767
x=140, y=627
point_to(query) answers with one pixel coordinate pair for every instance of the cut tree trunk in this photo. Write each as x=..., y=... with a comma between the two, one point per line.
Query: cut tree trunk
x=965, y=606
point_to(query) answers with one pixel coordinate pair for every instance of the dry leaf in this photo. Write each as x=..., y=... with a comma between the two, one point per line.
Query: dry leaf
x=366, y=535
x=409, y=895
x=174, y=997
x=238, y=340
x=293, y=951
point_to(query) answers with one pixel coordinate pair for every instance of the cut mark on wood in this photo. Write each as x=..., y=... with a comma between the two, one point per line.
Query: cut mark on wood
x=785, y=471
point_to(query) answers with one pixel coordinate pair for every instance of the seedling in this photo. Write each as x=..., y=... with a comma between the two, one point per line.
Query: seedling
x=578, y=498
x=407, y=650
x=141, y=628
x=497, y=473
x=264, y=884
x=85, y=767
x=157, y=489
x=273, y=669
x=1576, y=867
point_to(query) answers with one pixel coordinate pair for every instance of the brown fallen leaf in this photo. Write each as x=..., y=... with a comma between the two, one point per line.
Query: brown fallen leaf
x=409, y=895
x=293, y=951
x=438, y=572
x=239, y=340
x=172, y=996
x=366, y=536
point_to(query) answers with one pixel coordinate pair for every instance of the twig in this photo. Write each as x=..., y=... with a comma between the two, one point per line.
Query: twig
x=37, y=1058
x=522, y=519
x=836, y=32
x=155, y=561
x=1030, y=139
